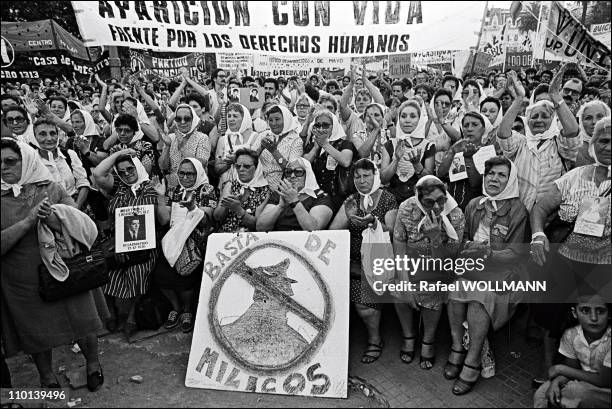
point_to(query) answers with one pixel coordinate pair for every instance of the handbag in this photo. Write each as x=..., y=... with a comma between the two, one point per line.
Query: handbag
x=88, y=270
x=189, y=259
x=116, y=261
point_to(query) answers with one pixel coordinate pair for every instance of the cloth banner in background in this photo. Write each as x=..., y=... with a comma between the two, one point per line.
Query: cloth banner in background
x=602, y=33
x=36, y=65
x=315, y=28
x=167, y=67
x=267, y=66
x=399, y=65
x=466, y=62
x=229, y=61
x=568, y=39
x=426, y=58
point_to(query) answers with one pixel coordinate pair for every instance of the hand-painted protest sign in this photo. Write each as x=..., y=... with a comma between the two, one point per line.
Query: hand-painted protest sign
x=466, y=62
x=166, y=67
x=399, y=66
x=567, y=38
x=231, y=61
x=267, y=66
x=602, y=33
x=426, y=58
x=517, y=60
x=134, y=228
x=273, y=314
x=271, y=28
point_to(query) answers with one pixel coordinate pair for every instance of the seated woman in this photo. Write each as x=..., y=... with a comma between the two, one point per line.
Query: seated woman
x=490, y=108
x=180, y=281
x=244, y=196
x=541, y=154
x=125, y=128
x=464, y=190
x=588, y=115
x=131, y=278
x=331, y=156
x=299, y=203
x=279, y=145
x=29, y=323
x=368, y=206
x=582, y=246
x=370, y=141
x=408, y=156
x=496, y=228
x=239, y=135
x=64, y=165
x=440, y=130
x=185, y=142
x=429, y=224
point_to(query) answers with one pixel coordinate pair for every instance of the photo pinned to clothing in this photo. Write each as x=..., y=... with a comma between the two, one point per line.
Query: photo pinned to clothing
x=134, y=228
x=457, y=170
x=482, y=155
x=592, y=215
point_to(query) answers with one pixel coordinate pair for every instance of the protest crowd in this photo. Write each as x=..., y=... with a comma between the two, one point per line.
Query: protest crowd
x=509, y=167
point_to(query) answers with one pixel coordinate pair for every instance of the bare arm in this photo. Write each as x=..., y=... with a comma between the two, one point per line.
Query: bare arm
x=13, y=234
x=345, y=100
x=340, y=222
x=316, y=219
x=172, y=102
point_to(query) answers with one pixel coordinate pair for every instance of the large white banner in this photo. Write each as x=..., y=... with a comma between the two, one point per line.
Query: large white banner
x=315, y=28
x=273, y=315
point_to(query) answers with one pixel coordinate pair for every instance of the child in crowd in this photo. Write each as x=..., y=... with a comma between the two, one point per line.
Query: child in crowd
x=583, y=379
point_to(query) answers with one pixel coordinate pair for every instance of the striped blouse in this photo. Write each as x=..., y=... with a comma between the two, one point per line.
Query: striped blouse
x=291, y=147
x=536, y=169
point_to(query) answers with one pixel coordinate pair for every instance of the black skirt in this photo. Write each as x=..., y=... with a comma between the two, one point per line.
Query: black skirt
x=166, y=277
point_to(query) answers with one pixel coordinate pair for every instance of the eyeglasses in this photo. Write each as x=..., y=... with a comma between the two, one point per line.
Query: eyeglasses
x=124, y=130
x=243, y=166
x=183, y=119
x=11, y=161
x=127, y=171
x=302, y=106
x=571, y=91
x=428, y=203
x=294, y=172
x=444, y=104
x=221, y=76
x=322, y=125
x=186, y=174
x=15, y=120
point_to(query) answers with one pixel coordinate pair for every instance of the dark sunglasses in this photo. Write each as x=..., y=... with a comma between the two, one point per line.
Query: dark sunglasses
x=322, y=125
x=243, y=166
x=430, y=203
x=124, y=130
x=15, y=120
x=183, y=119
x=294, y=172
x=11, y=161
x=444, y=104
x=186, y=174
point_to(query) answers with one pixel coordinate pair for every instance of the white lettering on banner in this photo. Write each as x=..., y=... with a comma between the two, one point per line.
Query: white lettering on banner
x=270, y=28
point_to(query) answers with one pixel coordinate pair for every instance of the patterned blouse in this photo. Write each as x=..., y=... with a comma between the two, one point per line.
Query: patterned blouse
x=204, y=196
x=196, y=146
x=144, y=151
x=291, y=147
x=251, y=200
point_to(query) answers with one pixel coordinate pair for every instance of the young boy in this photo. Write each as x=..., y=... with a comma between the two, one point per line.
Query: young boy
x=583, y=380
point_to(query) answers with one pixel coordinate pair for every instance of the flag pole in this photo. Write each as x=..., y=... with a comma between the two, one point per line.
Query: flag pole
x=538, y=34
x=484, y=16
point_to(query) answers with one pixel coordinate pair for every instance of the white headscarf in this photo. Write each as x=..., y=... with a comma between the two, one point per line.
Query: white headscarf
x=288, y=123
x=310, y=185
x=259, y=180
x=32, y=170
x=195, y=121
x=143, y=176
x=232, y=137
x=510, y=191
x=337, y=129
x=583, y=133
x=201, y=177
x=382, y=108
x=592, y=152
x=551, y=132
x=309, y=101
x=90, y=125
x=367, y=197
x=405, y=168
x=449, y=206
x=489, y=127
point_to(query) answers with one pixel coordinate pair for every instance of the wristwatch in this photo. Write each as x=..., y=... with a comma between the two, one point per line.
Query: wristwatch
x=280, y=161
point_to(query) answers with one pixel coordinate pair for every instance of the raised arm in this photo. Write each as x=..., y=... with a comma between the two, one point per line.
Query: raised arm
x=566, y=117
x=518, y=93
x=345, y=100
x=103, y=172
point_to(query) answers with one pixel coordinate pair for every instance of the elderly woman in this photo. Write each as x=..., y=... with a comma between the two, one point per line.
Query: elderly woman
x=239, y=135
x=490, y=107
x=431, y=225
x=474, y=126
x=128, y=186
x=368, y=206
x=64, y=165
x=582, y=199
x=29, y=323
x=279, y=145
x=186, y=142
x=18, y=122
x=299, y=203
x=126, y=127
x=588, y=115
x=370, y=141
x=409, y=156
x=180, y=281
x=441, y=131
x=331, y=156
x=302, y=110
x=496, y=228
x=540, y=153
x=244, y=196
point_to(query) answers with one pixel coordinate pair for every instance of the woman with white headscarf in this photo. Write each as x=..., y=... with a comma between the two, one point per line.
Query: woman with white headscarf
x=409, y=156
x=588, y=115
x=428, y=225
x=302, y=111
x=279, y=145
x=29, y=324
x=496, y=229
x=491, y=108
x=188, y=212
x=369, y=205
x=541, y=154
x=126, y=130
x=370, y=141
x=331, y=156
x=298, y=203
x=185, y=142
x=123, y=177
x=244, y=196
x=239, y=135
